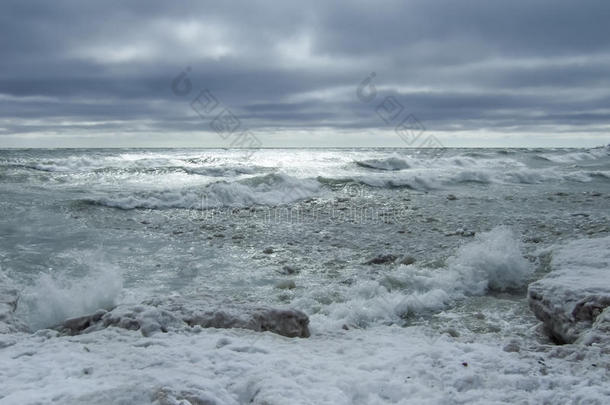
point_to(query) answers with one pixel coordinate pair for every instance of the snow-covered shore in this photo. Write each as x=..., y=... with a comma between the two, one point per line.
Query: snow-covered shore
x=381, y=365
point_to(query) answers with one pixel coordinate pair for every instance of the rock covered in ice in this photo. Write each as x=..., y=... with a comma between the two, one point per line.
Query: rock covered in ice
x=600, y=330
x=167, y=396
x=175, y=313
x=572, y=299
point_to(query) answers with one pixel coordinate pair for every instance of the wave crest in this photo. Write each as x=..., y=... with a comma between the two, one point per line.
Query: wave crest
x=492, y=262
x=390, y=164
x=271, y=189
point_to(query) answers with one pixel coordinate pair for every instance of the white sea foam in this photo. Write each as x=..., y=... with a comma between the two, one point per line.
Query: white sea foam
x=270, y=190
x=430, y=174
x=493, y=261
x=57, y=297
x=97, y=161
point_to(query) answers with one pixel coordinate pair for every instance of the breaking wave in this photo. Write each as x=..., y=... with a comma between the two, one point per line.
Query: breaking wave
x=492, y=262
x=576, y=156
x=55, y=298
x=391, y=163
x=271, y=189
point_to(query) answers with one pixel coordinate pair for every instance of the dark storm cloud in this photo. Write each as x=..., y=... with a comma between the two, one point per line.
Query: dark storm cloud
x=471, y=65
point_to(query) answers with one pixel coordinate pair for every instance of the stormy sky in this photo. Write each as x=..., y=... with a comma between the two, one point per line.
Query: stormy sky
x=469, y=73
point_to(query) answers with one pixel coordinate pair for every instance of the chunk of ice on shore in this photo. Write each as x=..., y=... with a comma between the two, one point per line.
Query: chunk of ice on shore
x=572, y=299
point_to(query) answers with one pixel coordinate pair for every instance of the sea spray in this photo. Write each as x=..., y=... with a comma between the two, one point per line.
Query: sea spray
x=56, y=297
x=493, y=261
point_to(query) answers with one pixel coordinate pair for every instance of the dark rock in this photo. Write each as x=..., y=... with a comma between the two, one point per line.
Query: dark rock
x=451, y=197
x=407, y=260
x=268, y=250
x=512, y=347
x=382, y=259
x=74, y=325
x=286, y=285
x=289, y=270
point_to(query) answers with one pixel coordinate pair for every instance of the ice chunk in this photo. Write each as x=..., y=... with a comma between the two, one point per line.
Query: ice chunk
x=572, y=298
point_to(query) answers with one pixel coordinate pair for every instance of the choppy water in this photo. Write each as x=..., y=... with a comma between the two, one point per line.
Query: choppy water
x=162, y=221
x=83, y=229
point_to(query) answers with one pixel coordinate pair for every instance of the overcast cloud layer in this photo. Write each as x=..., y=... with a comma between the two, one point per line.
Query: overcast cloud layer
x=474, y=73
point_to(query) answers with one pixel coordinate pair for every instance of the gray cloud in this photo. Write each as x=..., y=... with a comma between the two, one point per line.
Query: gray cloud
x=104, y=68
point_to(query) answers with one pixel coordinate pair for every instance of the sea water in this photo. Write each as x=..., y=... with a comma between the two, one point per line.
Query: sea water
x=412, y=266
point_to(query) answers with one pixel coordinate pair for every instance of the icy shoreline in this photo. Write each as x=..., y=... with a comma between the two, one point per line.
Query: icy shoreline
x=180, y=313
x=158, y=356
x=573, y=299
x=220, y=366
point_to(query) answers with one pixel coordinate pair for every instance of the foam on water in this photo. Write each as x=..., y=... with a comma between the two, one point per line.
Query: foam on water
x=150, y=179
x=272, y=189
x=56, y=297
x=492, y=262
